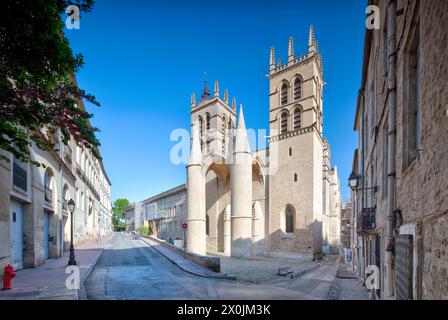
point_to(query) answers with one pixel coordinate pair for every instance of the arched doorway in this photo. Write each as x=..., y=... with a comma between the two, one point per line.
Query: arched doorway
x=217, y=196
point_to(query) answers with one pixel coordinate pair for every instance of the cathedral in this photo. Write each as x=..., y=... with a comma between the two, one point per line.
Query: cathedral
x=280, y=201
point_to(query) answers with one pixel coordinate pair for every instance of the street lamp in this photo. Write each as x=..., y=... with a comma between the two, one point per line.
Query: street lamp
x=353, y=183
x=71, y=207
x=353, y=180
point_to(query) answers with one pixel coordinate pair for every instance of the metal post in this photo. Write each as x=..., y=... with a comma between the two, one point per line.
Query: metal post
x=185, y=244
x=71, y=261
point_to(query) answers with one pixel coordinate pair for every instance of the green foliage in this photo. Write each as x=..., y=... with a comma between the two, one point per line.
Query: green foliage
x=37, y=85
x=118, y=212
x=143, y=230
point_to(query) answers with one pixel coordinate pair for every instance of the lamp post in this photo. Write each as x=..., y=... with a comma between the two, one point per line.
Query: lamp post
x=353, y=183
x=71, y=207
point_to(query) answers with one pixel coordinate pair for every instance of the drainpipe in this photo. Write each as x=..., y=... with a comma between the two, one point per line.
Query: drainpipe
x=363, y=152
x=391, y=136
x=60, y=242
x=61, y=212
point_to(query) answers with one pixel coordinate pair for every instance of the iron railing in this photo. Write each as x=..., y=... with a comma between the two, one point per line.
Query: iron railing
x=366, y=219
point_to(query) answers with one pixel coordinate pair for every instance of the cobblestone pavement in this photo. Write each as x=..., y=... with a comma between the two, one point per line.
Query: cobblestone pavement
x=131, y=269
x=260, y=270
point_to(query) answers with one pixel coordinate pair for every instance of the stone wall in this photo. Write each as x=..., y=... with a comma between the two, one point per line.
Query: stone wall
x=421, y=192
x=423, y=185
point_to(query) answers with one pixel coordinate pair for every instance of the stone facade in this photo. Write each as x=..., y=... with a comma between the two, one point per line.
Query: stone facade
x=267, y=202
x=34, y=218
x=331, y=220
x=402, y=116
x=163, y=214
x=345, y=226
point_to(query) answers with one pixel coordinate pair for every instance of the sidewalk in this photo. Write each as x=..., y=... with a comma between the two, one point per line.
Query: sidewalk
x=47, y=282
x=185, y=264
x=347, y=286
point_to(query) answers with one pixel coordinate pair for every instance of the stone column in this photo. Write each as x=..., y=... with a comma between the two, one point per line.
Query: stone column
x=196, y=238
x=241, y=193
x=227, y=230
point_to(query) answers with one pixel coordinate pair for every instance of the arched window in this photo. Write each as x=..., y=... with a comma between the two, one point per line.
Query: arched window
x=224, y=124
x=297, y=89
x=284, y=94
x=207, y=225
x=295, y=177
x=289, y=220
x=297, y=118
x=290, y=151
x=201, y=126
x=207, y=121
x=284, y=122
x=48, y=186
x=223, y=146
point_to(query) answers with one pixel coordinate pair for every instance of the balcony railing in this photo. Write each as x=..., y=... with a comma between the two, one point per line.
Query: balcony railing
x=48, y=195
x=367, y=219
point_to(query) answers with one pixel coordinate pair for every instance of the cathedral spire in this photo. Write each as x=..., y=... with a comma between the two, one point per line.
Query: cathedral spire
x=226, y=96
x=195, y=151
x=291, y=49
x=234, y=103
x=193, y=100
x=241, y=141
x=241, y=197
x=216, y=88
x=311, y=40
x=206, y=92
x=272, y=59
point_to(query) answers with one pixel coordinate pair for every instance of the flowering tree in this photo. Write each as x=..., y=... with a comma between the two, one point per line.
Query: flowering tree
x=37, y=85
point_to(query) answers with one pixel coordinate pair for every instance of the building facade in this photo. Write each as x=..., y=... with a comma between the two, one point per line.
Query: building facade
x=163, y=213
x=267, y=202
x=34, y=217
x=400, y=209
x=280, y=201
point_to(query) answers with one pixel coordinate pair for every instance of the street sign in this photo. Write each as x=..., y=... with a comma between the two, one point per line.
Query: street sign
x=184, y=225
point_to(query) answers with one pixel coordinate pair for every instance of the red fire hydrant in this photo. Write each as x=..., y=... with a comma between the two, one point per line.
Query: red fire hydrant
x=8, y=274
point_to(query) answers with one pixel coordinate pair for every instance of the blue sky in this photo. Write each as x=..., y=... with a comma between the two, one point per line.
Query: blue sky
x=143, y=60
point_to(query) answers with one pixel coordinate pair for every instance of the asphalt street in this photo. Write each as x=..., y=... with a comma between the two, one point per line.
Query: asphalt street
x=131, y=269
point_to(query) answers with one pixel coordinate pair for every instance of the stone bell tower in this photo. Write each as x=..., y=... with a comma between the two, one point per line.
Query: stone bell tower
x=295, y=116
x=208, y=173
x=216, y=120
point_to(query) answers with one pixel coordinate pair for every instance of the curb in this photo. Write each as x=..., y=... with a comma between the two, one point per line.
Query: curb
x=307, y=269
x=221, y=276
x=81, y=292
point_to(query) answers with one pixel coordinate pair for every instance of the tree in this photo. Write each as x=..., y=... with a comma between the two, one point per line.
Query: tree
x=37, y=85
x=118, y=212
